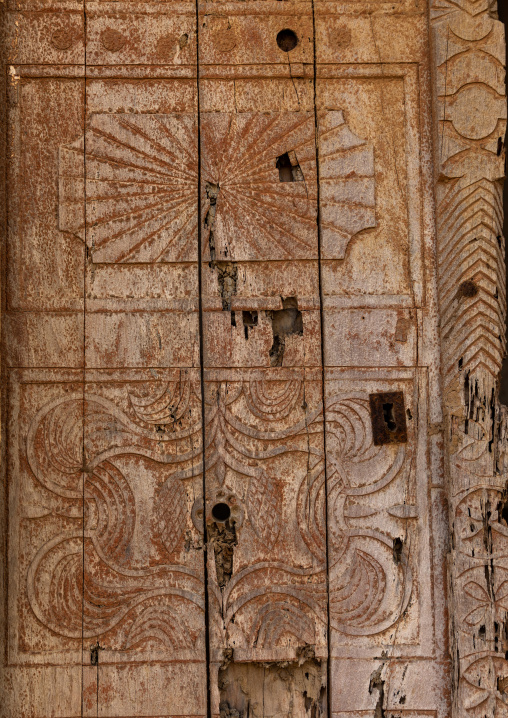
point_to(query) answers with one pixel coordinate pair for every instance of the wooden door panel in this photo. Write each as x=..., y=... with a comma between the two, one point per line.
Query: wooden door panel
x=217, y=311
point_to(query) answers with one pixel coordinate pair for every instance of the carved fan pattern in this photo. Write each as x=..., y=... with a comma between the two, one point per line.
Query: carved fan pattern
x=255, y=216
x=141, y=174
x=141, y=187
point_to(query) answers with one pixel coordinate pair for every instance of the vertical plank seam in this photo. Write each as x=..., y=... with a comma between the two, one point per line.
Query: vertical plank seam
x=202, y=384
x=83, y=458
x=321, y=323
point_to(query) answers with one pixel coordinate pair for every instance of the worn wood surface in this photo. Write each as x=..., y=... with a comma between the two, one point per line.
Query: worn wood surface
x=223, y=429
x=470, y=103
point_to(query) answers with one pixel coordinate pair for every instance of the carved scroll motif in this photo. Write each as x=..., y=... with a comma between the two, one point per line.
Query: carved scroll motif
x=254, y=428
x=470, y=103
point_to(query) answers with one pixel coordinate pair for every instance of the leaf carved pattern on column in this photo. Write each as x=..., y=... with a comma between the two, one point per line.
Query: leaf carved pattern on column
x=470, y=100
x=160, y=603
x=471, y=114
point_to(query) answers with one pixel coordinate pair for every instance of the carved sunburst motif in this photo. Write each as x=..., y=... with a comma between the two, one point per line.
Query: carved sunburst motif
x=141, y=186
x=347, y=184
x=252, y=215
x=257, y=216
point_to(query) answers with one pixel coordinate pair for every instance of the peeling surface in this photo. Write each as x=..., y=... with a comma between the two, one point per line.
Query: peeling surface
x=222, y=537
x=377, y=685
x=285, y=322
x=271, y=690
x=227, y=277
x=212, y=192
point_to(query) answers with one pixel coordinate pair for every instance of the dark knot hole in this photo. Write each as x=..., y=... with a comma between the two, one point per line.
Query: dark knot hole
x=287, y=40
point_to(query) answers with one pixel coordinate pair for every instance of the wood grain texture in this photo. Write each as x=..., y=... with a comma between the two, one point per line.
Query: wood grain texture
x=217, y=251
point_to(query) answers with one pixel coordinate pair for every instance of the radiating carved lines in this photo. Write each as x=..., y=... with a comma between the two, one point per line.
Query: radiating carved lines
x=347, y=184
x=256, y=215
x=141, y=187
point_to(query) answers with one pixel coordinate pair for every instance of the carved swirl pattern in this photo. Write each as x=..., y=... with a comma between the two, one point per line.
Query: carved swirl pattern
x=253, y=428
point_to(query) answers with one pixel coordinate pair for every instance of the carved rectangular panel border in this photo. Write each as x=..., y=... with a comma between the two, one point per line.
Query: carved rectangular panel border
x=379, y=519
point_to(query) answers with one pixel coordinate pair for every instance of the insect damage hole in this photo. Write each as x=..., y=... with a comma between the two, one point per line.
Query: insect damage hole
x=398, y=545
x=222, y=538
x=289, y=168
x=285, y=321
x=94, y=653
x=287, y=40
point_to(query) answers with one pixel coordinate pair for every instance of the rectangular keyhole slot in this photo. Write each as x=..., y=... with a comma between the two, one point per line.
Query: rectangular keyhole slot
x=388, y=415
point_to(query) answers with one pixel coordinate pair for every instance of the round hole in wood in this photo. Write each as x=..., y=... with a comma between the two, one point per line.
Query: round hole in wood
x=221, y=512
x=287, y=40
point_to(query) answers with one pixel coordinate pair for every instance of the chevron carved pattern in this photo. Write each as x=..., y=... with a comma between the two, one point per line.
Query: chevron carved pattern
x=471, y=111
x=470, y=103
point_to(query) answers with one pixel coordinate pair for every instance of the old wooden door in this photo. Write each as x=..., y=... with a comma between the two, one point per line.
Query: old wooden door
x=220, y=361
